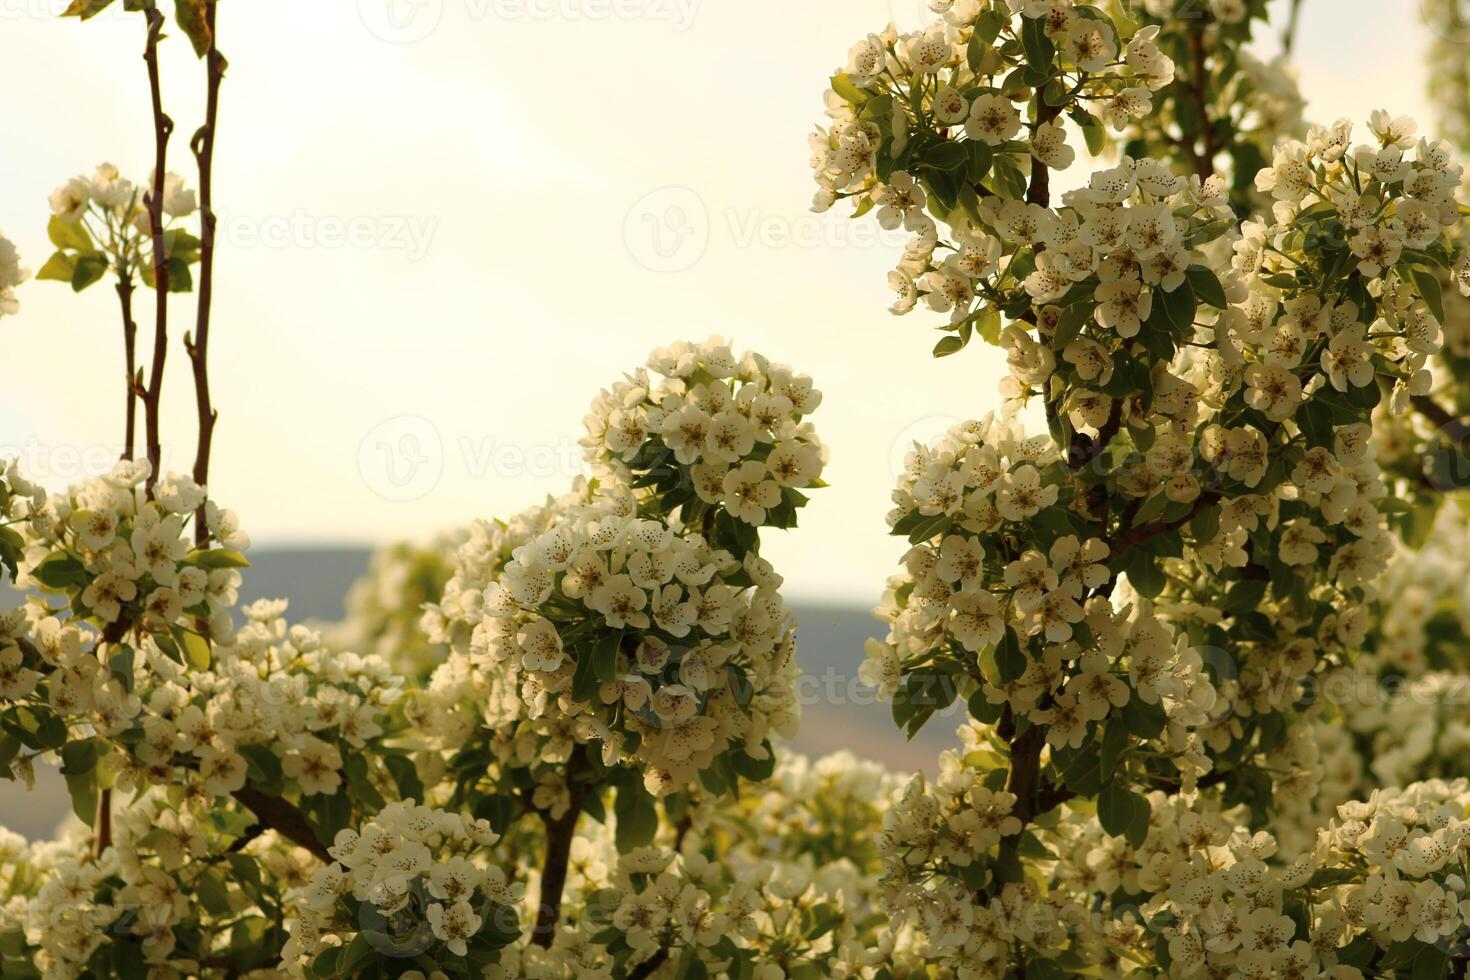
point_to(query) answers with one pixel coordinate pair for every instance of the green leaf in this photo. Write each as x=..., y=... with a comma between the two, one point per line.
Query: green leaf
x=948, y=346
x=406, y=776
x=361, y=783
x=1010, y=659
x=262, y=767
x=1039, y=48
x=83, y=790
x=325, y=965
x=1114, y=742
x=982, y=710
x=1329, y=877
x=753, y=769
x=86, y=9
x=61, y=267
x=636, y=815
x=12, y=550
x=1432, y=963
x=79, y=758
x=989, y=26
x=1245, y=596
x=605, y=656
x=1143, y=572
x=60, y=570
x=975, y=52
x=89, y=269
x=849, y=90
x=70, y=235
x=212, y=892
x=1179, y=306
x=1429, y=288
x=1093, y=132
x=1206, y=524
x=1206, y=286
x=190, y=15
x=947, y=155
x=195, y=647
x=1123, y=812
x=214, y=558
x=121, y=665
x=1144, y=720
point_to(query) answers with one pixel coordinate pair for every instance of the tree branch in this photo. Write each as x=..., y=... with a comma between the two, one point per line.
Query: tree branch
x=163, y=128
x=1038, y=191
x=284, y=818
x=1204, y=160
x=1084, y=448
x=646, y=969
x=1456, y=429
x=130, y=353
x=198, y=348
x=559, y=834
x=1288, y=36
x=1134, y=536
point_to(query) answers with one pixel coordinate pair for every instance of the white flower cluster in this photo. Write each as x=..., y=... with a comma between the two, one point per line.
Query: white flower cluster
x=956, y=67
x=170, y=682
x=108, y=194
x=412, y=882
x=12, y=274
x=103, y=224
x=781, y=880
x=635, y=612
x=1390, y=869
x=707, y=430
x=600, y=625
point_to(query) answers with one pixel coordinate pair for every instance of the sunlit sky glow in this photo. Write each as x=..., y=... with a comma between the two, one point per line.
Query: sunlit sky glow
x=447, y=223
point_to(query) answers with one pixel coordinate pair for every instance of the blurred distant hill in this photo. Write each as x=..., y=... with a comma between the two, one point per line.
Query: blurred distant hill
x=838, y=711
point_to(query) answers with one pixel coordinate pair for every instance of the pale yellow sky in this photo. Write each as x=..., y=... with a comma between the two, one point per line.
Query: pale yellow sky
x=446, y=223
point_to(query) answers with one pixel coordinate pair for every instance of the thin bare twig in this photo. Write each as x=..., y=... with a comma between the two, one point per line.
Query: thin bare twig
x=163, y=128
x=130, y=353
x=198, y=346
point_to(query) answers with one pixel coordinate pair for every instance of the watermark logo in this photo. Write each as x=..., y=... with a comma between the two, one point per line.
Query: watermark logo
x=670, y=229
x=667, y=230
x=412, y=21
x=1448, y=20
x=911, y=15
x=401, y=21
x=402, y=459
x=925, y=431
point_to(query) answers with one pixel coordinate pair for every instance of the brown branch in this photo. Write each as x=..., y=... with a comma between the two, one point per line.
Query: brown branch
x=1134, y=536
x=646, y=969
x=1288, y=36
x=1039, y=189
x=559, y=834
x=1025, y=774
x=1453, y=427
x=198, y=348
x=130, y=353
x=1204, y=161
x=284, y=818
x=163, y=128
x=102, y=832
x=1084, y=448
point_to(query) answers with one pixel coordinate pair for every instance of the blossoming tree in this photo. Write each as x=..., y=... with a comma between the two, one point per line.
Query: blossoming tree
x=1141, y=604
x=1168, y=618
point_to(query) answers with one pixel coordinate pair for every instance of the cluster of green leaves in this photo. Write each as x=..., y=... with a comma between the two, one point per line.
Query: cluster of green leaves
x=82, y=261
x=190, y=15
